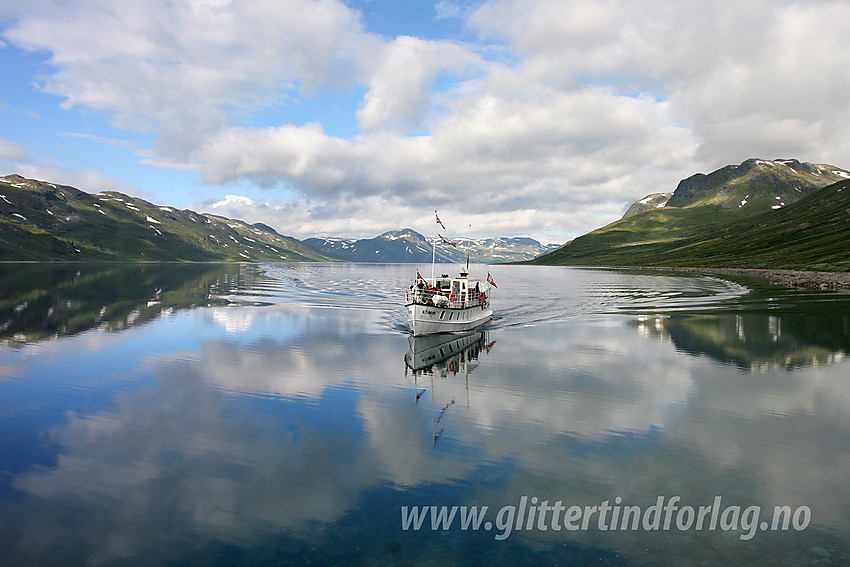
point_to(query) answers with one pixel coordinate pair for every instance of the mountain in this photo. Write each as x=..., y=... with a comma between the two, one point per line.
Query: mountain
x=811, y=234
x=653, y=201
x=726, y=219
x=44, y=221
x=403, y=245
x=406, y=245
x=756, y=185
x=508, y=249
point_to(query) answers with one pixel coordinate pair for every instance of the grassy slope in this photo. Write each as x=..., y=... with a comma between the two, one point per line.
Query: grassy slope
x=42, y=221
x=811, y=234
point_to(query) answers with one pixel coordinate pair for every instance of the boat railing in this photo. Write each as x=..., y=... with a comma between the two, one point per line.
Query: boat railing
x=443, y=298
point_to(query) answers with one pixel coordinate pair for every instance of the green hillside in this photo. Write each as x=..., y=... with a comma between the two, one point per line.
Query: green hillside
x=43, y=221
x=809, y=234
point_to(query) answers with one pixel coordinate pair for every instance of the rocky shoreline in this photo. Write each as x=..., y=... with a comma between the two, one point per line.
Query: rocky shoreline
x=836, y=281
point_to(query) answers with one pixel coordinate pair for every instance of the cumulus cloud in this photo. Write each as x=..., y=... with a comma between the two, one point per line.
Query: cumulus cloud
x=93, y=181
x=557, y=108
x=16, y=156
x=367, y=217
x=450, y=9
x=489, y=144
x=180, y=70
x=749, y=67
x=539, y=153
x=399, y=87
x=10, y=151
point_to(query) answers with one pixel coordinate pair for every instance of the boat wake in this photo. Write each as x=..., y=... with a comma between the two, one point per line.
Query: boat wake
x=527, y=295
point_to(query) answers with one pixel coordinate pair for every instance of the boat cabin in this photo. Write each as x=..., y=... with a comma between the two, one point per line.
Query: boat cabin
x=453, y=293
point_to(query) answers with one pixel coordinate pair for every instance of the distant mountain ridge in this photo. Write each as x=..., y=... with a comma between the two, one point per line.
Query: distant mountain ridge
x=407, y=245
x=387, y=247
x=46, y=221
x=759, y=214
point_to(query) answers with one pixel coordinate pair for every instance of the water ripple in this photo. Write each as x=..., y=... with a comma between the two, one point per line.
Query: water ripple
x=527, y=295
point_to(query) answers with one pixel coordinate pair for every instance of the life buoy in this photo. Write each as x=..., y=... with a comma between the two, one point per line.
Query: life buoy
x=451, y=296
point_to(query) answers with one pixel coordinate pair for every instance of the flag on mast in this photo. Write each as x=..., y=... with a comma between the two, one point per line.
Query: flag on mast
x=439, y=222
x=447, y=241
x=490, y=280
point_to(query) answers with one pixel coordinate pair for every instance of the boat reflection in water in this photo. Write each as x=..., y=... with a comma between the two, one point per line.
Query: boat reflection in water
x=444, y=356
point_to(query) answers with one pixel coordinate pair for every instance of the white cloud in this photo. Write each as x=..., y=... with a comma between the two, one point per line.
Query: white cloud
x=451, y=9
x=115, y=142
x=536, y=151
x=15, y=159
x=399, y=88
x=756, y=67
x=367, y=217
x=301, y=218
x=11, y=151
x=180, y=70
x=561, y=108
x=521, y=138
x=90, y=180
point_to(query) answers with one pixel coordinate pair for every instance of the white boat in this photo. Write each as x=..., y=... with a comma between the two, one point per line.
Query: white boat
x=447, y=304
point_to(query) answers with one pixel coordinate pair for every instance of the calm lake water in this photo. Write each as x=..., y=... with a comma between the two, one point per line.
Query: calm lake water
x=281, y=414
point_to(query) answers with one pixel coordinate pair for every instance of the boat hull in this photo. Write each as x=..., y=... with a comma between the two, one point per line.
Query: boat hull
x=431, y=319
x=425, y=353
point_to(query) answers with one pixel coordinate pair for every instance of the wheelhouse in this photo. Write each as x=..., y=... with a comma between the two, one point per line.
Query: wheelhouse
x=448, y=292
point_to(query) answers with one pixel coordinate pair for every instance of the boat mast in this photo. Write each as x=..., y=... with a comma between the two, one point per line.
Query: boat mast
x=468, y=244
x=434, y=247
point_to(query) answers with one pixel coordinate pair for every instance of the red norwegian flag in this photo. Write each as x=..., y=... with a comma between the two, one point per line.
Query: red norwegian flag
x=490, y=280
x=439, y=222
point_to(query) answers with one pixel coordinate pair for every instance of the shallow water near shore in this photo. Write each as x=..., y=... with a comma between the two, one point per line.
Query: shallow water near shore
x=220, y=414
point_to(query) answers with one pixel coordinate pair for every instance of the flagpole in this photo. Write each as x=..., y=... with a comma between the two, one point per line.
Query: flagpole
x=468, y=244
x=434, y=247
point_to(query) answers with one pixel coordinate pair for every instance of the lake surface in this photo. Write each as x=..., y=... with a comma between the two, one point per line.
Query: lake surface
x=281, y=414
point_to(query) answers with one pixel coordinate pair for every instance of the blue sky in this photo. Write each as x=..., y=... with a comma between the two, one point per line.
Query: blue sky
x=544, y=118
